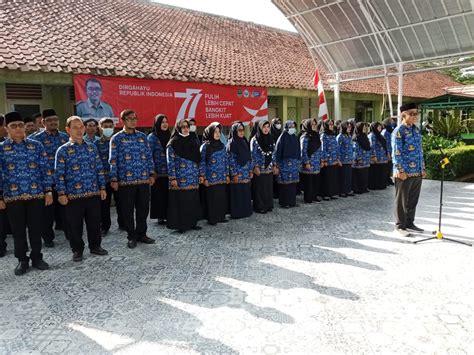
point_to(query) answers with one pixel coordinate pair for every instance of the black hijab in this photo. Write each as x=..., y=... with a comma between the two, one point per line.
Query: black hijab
x=238, y=146
x=287, y=145
x=387, y=123
x=163, y=136
x=314, y=140
x=265, y=141
x=361, y=137
x=213, y=145
x=254, y=130
x=343, y=128
x=374, y=129
x=275, y=132
x=326, y=128
x=184, y=147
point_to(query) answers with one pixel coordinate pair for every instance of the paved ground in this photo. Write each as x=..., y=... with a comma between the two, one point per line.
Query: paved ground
x=325, y=278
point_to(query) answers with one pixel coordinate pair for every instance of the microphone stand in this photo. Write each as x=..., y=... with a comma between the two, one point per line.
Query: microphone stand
x=438, y=233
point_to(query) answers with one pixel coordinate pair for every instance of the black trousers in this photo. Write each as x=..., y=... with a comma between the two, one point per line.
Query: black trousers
x=330, y=180
x=52, y=213
x=105, y=221
x=287, y=195
x=134, y=200
x=159, y=198
x=262, y=192
x=3, y=232
x=23, y=215
x=345, y=179
x=311, y=186
x=77, y=211
x=407, y=193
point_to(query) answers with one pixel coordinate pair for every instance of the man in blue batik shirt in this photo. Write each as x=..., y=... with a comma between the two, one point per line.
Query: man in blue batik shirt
x=25, y=189
x=408, y=170
x=81, y=187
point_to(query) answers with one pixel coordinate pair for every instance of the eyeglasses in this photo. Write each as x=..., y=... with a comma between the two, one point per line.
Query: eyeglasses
x=131, y=119
x=94, y=89
x=240, y=130
x=16, y=125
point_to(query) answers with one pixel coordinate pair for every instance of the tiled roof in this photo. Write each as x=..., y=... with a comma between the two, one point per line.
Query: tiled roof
x=149, y=40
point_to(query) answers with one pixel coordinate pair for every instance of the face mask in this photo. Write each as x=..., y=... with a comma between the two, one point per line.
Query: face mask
x=184, y=135
x=292, y=130
x=108, y=132
x=192, y=128
x=278, y=126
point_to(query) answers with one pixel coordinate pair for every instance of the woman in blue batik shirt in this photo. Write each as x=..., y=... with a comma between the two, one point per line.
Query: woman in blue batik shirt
x=241, y=172
x=387, y=134
x=331, y=159
x=158, y=140
x=344, y=139
x=216, y=174
x=261, y=147
x=310, y=143
x=360, y=167
x=287, y=160
x=184, y=174
x=379, y=158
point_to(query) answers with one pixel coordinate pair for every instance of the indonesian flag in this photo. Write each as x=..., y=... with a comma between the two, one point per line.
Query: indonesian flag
x=323, y=107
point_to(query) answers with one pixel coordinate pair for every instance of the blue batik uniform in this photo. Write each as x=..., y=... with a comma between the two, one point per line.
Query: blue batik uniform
x=235, y=169
x=388, y=137
x=407, y=151
x=346, y=150
x=376, y=150
x=330, y=149
x=289, y=170
x=216, y=170
x=51, y=142
x=79, y=171
x=185, y=172
x=159, y=155
x=258, y=157
x=103, y=147
x=87, y=139
x=130, y=159
x=314, y=160
x=25, y=172
x=361, y=156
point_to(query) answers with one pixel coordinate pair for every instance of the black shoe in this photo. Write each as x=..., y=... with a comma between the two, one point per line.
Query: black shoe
x=212, y=223
x=342, y=195
x=3, y=252
x=22, y=267
x=285, y=206
x=325, y=198
x=261, y=211
x=40, y=264
x=197, y=228
x=99, y=251
x=131, y=244
x=162, y=222
x=308, y=202
x=295, y=205
x=146, y=240
x=181, y=231
x=49, y=244
x=350, y=194
x=77, y=256
x=413, y=228
x=224, y=221
x=317, y=199
x=333, y=198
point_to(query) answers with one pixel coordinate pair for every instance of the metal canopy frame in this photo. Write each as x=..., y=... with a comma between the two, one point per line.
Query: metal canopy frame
x=366, y=39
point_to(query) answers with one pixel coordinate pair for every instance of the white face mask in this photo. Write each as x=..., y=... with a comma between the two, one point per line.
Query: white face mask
x=183, y=135
x=278, y=126
x=108, y=132
x=192, y=128
x=292, y=130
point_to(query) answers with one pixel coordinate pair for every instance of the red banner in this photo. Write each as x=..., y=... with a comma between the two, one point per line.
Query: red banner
x=99, y=96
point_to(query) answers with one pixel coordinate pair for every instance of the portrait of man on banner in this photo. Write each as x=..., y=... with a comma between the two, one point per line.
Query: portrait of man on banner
x=93, y=107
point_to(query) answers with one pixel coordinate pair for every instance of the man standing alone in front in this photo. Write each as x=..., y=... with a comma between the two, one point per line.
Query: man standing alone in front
x=408, y=170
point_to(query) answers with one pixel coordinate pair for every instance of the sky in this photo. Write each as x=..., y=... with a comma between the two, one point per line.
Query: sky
x=258, y=11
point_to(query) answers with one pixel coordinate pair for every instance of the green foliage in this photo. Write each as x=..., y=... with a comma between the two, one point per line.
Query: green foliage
x=461, y=163
x=432, y=142
x=450, y=126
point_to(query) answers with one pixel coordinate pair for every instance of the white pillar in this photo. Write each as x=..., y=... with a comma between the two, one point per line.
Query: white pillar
x=337, y=99
x=400, y=91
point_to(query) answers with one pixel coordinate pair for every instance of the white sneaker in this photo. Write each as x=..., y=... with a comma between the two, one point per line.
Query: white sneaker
x=402, y=232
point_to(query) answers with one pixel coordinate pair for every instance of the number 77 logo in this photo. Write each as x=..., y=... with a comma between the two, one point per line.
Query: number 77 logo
x=191, y=96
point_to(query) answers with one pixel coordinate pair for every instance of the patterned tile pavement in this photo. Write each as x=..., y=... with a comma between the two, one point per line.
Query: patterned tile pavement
x=322, y=278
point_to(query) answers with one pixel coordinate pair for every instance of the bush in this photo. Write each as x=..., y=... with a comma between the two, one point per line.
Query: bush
x=461, y=163
x=432, y=142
